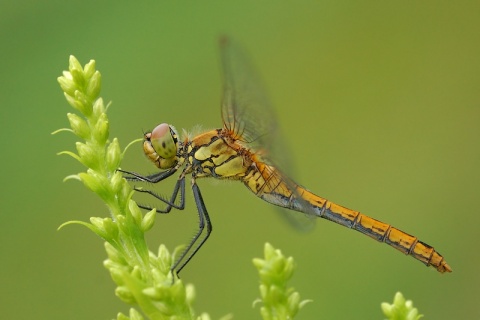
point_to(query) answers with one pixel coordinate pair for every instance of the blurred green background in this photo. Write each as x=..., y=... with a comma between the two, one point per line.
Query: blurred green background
x=380, y=103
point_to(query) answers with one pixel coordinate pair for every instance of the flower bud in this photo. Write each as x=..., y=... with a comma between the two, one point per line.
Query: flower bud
x=125, y=194
x=101, y=130
x=289, y=267
x=133, y=315
x=113, y=155
x=125, y=295
x=89, y=69
x=87, y=155
x=74, y=103
x=78, y=78
x=137, y=273
x=293, y=303
x=79, y=126
x=73, y=64
x=98, y=108
x=165, y=259
x=258, y=263
x=269, y=251
x=116, y=182
x=67, y=84
x=116, y=273
x=148, y=220
x=111, y=228
x=97, y=183
x=82, y=103
x=94, y=86
x=135, y=211
x=113, y=253
x=97, y=227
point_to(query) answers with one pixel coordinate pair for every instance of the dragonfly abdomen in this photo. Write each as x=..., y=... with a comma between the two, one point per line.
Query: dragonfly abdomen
x=380, y=231
x=268, y=183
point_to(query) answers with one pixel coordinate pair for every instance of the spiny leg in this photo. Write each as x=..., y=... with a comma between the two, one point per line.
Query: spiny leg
x=179, y=186
x=204, y=220
x=153, y=178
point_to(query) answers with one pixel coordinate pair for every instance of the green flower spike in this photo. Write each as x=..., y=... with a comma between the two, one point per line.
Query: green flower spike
x=143, y=279
x=401, y=309
x=279, y=302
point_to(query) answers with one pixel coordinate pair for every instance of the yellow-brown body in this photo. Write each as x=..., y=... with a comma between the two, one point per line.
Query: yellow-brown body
x=215, y=154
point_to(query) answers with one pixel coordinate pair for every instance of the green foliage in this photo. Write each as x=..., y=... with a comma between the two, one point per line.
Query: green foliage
x=143, y=278
x=279, y=301
x=400, y=309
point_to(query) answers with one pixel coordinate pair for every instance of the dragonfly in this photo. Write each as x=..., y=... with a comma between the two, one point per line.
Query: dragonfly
x=244, y=149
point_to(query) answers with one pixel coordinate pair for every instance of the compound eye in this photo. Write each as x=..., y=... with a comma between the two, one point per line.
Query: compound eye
x=163, y=142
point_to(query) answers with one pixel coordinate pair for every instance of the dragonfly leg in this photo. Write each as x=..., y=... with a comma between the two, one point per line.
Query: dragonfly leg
x=178, y=191
x=153, y=178
x=203, y=220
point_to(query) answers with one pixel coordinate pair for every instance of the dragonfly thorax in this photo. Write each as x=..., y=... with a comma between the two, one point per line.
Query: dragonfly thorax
x=161, y=146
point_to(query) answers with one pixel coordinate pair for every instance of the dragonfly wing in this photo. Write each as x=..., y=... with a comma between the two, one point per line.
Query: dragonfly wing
x=246, y=111
x=250, y=119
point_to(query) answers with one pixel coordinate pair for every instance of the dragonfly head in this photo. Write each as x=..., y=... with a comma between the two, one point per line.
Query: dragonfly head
x=161, y=146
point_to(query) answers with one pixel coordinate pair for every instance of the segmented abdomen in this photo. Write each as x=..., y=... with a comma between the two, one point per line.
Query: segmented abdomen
x=270, y=185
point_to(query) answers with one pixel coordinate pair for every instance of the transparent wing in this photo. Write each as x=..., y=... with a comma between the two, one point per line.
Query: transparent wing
x=249, y=118
x=246, y=112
